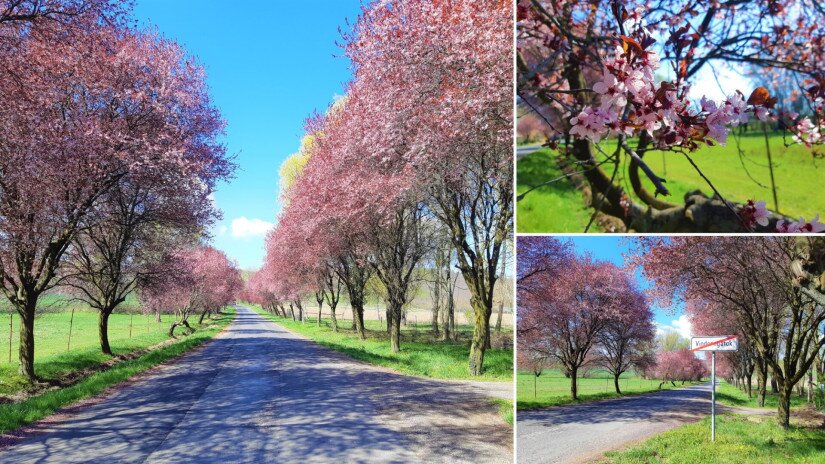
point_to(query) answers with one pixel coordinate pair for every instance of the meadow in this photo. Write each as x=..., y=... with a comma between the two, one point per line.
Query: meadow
x=552, y=388
x=56, y=355
x=740, y=172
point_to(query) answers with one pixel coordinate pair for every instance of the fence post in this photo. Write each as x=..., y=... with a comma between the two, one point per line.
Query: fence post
x=71, y=322
x=11, y=332
x=131, y=317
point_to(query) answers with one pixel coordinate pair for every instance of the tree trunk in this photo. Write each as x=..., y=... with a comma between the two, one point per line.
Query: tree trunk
x=434, y=322
x=774, y=387
x=616, y=384
x=27, y=340
x=481, y=332
x=762, y=383
x=500, y=314
x=574, y=387
x=749, y=380
x=488, y=340
x=320, y=307
x=300, y=310
x=200, y=319
x=811, y=385
x=395, y=325
x=103, y=332
x=445, y=320
x=451, y=314
x=358, y=319
x=389, y=319
x=784, y=412
x=334, y=319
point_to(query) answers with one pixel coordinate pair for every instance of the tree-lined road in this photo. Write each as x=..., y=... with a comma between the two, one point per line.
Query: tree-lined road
x=584, y=432
x=258, y=393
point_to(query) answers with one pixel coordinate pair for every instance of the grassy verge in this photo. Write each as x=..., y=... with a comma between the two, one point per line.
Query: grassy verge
x=739, y=439
x=553, y=389
x=558, y=207
x=505, y=410
x=420, y=354
x=15, y=415
x=730, y=395
x=56, y=355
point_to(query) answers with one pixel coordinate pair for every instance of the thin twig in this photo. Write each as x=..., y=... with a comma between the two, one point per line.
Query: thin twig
x=725, y=202
x=658, y=182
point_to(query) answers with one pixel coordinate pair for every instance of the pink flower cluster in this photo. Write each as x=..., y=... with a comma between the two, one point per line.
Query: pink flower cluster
x=593, y=123
x=808, y=133
x=754, y=212
x=801, y=226
x=631, y=100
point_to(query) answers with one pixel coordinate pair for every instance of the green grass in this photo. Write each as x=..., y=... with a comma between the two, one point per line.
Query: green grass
x=552, y=388
x=559, y=207
x=739, y=439
x=53, y=355
x=730, y=395
x=420, y=355
x=15, y=415
x=505, y=409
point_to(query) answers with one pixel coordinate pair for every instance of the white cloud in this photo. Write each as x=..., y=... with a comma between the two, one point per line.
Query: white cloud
x=243, y=227
x=681, y=326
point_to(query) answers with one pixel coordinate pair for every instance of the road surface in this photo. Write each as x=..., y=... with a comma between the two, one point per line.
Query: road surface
x=523, y=151
x=583, y=432
x=258, y=393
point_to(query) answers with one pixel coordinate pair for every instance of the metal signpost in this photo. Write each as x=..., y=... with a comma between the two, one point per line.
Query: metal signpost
x=714, y=344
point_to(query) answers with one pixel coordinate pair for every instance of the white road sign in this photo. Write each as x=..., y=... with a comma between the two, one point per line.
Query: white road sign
x=720, y=343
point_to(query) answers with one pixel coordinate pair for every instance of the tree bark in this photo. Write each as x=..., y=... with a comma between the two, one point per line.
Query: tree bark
x=784, y=412
x=334, y=319
x=500, y=315
x=762, y=382
x=395, y=325
x=481, y=332
x=103, y=332
x=616, y=384
x=203, y=314
x=574, y=387
x=27, y=341
x=358, y=318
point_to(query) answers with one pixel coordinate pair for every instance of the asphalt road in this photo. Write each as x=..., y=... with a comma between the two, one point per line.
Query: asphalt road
x=525, y=150
x=584, y=432
x=258, y=393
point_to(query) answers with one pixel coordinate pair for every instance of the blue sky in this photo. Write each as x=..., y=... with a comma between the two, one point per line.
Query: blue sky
x=269, y=65
x=612, y=248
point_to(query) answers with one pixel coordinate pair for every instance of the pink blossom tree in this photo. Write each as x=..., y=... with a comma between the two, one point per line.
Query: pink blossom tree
x=773, y=287
x=681, y=365
x=442, y=87
x=568, y=309
x=124, y=104
x=188, y=280
x=626, y=341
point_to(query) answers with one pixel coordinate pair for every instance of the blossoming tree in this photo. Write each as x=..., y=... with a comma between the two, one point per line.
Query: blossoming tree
x=110, y=104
